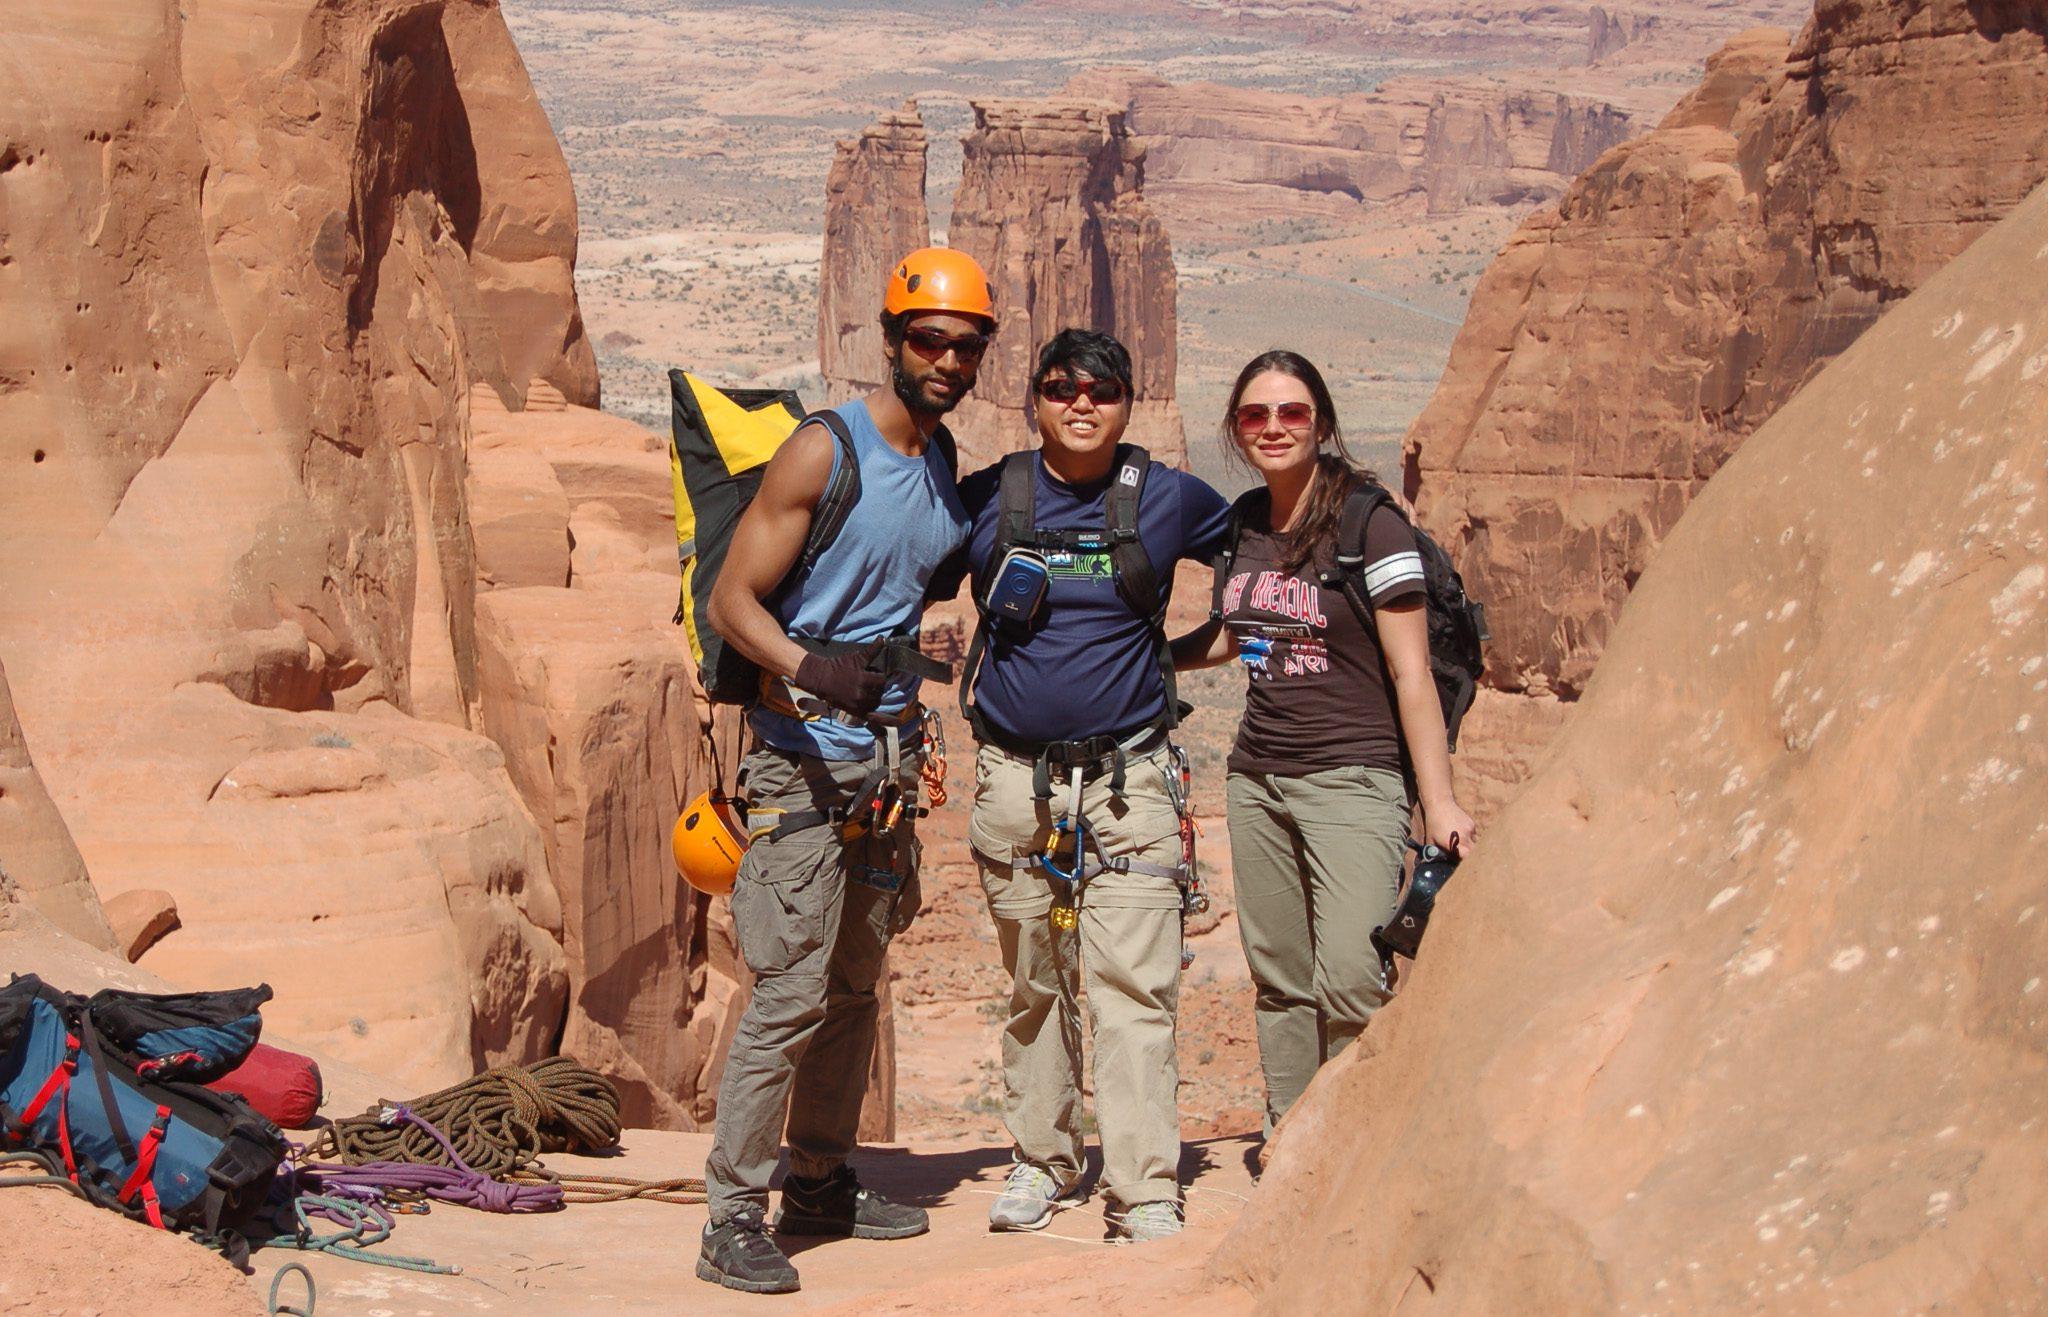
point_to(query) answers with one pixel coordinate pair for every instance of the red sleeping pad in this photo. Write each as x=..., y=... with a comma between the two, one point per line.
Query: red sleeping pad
x=283, y=1086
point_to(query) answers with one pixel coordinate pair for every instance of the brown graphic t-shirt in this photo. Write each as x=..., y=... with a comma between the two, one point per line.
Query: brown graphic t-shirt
x=1320, y=696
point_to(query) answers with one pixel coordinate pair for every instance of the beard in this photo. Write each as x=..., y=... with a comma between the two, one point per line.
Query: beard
x=911, y=393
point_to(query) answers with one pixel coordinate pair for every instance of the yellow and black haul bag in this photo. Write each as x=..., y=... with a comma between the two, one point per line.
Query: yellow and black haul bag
x=723, y=440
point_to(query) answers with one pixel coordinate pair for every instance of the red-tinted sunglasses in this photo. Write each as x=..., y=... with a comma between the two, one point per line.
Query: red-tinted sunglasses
x=931, y=344
x=1062, y=390
x=1296, y=416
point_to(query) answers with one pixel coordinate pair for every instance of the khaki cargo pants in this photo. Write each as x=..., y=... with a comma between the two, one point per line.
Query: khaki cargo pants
x=814, y=919
x=1127, y=947
x=1317, y=863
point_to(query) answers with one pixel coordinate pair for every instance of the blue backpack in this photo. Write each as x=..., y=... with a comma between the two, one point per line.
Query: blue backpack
x=87, y=1083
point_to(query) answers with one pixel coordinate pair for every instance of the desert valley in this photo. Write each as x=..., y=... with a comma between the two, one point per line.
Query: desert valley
x=337, y=561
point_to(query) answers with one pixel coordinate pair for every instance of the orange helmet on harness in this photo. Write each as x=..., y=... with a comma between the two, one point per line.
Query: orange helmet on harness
x=708, y=841
x=940, y=279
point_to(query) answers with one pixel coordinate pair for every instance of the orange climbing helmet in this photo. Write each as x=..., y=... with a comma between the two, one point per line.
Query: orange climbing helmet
x=708, y=841
x=940, y=279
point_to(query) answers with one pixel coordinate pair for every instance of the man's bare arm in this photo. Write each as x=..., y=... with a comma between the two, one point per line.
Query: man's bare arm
x=765, y=546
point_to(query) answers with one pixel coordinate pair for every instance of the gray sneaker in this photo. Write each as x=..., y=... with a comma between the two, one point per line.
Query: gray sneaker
x=1028, y=1201
x=1149, y=1221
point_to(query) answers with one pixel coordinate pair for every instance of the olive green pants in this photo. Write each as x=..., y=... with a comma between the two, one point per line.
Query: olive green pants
x=1127, y=949
x=814, y=915
x=1317, y=864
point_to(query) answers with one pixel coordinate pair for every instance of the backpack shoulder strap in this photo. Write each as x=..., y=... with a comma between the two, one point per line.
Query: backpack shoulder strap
x=949, y=450
x=842, y=491
x=1136, y=578
x=1016, y=504
x=1016, y=522
x=1351, y=521
x=1241, y=510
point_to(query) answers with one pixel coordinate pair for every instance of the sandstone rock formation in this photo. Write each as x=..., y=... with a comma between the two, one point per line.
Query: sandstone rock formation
x=589, y=690
x=1051, y=203
x=140, y=917
x=39, y=863
x=1777, y=1041
x=1450, y=144
x=1609, y=31
x=874, y=213
x=258, y=275
x=1626, y=342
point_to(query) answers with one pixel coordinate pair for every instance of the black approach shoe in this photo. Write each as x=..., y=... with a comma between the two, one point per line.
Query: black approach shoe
x=740, y=1256
x=837, y=1205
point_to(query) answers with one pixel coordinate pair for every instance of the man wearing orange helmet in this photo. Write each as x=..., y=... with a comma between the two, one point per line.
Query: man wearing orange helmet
x=831, y=874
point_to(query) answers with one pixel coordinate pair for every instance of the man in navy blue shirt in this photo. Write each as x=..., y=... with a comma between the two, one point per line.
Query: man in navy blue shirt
x=1075, y=825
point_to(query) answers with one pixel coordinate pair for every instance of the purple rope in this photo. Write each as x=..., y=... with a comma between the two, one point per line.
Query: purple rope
x=456, y=1183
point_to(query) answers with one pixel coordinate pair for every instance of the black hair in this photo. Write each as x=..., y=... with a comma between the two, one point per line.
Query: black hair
x=893, y=325
x=1085, y=352
x=1336, y=476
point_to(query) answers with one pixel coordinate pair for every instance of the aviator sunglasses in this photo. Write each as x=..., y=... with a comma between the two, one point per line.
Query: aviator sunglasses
x=1297, y=416
x=1062, y=390
x=932, y=344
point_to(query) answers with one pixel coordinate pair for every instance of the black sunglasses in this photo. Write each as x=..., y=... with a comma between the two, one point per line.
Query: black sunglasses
x=1062, y=390
x=932, y=344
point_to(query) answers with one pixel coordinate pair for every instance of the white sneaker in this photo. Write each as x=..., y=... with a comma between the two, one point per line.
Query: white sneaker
x=1027, y=1202
x=1149, y=1221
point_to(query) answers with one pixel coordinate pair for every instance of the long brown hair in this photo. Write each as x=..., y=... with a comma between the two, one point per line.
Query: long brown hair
x=1336, y=474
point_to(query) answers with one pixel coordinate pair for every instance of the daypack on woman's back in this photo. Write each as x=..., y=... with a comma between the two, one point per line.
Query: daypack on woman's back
x=178, y=1155
x=1457, y=622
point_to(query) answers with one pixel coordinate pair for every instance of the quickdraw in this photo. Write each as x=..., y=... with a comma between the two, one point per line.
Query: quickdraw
x=933, y=769
x=1066, y=906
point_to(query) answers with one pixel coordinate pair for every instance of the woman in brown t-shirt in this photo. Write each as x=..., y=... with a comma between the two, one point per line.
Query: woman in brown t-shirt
x=1318, y=802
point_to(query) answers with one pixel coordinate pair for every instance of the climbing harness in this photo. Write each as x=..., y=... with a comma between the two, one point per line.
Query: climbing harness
x=1403, y=932
x=886, y=797
x=1073, y=853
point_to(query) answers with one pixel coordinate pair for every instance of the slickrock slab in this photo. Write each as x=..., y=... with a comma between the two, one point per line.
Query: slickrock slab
x=1740, y=1005
x=1628, y=341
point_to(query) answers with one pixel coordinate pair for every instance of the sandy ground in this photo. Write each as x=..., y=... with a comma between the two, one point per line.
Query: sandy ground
x=641, y=1257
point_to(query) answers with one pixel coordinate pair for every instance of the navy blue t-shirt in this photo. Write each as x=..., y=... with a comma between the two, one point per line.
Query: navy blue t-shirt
x=1087, y=666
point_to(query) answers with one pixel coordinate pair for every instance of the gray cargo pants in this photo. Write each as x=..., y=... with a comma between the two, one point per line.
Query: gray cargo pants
x=814, y=918
x=1127, y=946
x=1317, y=863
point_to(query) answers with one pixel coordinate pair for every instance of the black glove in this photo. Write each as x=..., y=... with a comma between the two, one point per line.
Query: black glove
x=843, y=680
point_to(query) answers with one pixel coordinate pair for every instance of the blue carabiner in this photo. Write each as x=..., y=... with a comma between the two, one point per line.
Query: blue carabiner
x=1079, y=828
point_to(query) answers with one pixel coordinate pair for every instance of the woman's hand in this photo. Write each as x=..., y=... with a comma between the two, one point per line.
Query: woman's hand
x=1449, y=828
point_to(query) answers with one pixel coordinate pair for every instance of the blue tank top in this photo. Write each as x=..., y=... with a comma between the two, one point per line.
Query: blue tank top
x=871, y=582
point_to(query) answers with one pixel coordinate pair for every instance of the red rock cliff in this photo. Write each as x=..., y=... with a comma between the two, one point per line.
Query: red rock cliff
x=1051, y=203
x=874, y=214
x=259, y=260
x=1626, y=342
x=1451, y=143
x=1740, y=1006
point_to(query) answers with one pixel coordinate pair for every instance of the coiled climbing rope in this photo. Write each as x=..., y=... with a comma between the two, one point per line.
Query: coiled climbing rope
x=497, y=1123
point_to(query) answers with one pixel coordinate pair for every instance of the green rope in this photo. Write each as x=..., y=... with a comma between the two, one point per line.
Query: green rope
x=50, y=1176
x=276, y=1282
x=365, y=1229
